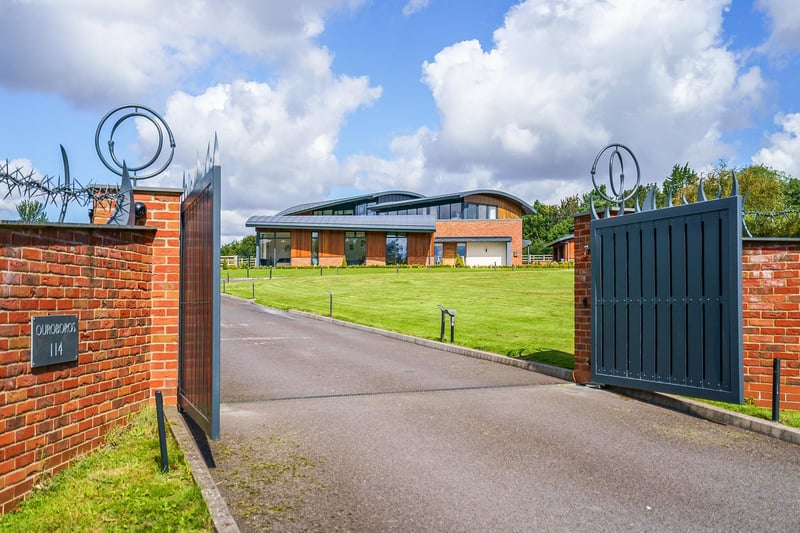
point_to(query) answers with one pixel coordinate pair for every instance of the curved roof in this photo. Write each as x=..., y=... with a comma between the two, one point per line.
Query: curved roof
x=416, y=199
x=527, y=209
x=332, y=204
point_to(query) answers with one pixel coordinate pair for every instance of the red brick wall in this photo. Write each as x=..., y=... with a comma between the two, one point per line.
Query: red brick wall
x=583, y=292
x=771, y=313
x=122, y=283
x=510, y=227
x=770, y=310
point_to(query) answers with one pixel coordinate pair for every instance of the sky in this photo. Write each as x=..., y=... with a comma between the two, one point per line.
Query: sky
x=322, y=99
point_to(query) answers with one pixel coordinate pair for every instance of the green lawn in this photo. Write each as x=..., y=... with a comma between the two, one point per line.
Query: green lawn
x=526, y=312
x=119, y=487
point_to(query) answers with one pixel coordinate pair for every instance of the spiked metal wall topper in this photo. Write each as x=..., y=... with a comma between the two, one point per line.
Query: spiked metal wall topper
x=620, y=194
x=52, y=191
x=212, y=159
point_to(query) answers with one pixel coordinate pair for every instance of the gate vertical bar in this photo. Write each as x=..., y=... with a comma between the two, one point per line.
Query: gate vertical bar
x=199, y=331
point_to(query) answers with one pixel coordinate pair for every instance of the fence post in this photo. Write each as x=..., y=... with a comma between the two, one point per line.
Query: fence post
x=162, y=433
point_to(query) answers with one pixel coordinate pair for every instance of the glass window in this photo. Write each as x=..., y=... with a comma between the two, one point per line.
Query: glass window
x=461, y=250
x=455, y=210
x=438, y=251
x=396, y=249
x=266, y=245
x=355, y=247
x=361, y=209
x=275, y=248
x=491, y=212
x=482, y=212
x=283, y=248
x=314, y=248
x=470, y=211
x=444, y=212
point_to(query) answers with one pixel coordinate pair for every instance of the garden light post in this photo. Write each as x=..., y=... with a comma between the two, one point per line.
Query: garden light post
x=452, y=314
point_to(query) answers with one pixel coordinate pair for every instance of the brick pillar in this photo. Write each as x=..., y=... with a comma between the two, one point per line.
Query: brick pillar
x=164, y=213
x=583, y=300
x=771, y=319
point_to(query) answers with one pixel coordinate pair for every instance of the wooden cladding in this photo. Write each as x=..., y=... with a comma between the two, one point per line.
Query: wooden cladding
x=505, y=208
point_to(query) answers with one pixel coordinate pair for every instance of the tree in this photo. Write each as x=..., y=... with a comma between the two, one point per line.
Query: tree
x=549, y=223
x=31, y=211
x=768, y=194
x=243, y=248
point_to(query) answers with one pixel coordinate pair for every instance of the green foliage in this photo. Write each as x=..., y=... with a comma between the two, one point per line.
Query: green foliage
x=31, y=211
x=767, y=192
x=246, y=247
x=550, y=222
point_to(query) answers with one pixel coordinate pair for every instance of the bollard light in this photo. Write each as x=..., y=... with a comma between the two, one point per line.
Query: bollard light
x=452, y=314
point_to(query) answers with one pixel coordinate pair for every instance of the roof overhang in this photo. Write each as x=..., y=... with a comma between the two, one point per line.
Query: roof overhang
x=407, y=223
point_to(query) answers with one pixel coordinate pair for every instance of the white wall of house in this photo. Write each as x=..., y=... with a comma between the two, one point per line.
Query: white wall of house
x=486, y=254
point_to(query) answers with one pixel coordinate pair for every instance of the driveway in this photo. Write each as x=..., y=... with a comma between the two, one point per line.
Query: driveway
x=327, y=428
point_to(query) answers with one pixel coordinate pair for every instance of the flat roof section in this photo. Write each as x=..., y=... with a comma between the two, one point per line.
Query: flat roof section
x=407, y=223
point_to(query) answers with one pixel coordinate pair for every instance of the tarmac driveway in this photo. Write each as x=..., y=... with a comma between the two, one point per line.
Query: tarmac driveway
x=327, y=428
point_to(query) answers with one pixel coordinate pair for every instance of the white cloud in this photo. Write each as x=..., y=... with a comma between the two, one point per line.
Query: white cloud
x=783, y=152
x=784, y=17
x=566, y=77
x=528, y=115
x=276, y=149
x=92, y=51
x=414, y=6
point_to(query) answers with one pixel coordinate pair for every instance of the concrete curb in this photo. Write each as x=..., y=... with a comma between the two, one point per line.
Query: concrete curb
x=221, y=516
x=714, y=414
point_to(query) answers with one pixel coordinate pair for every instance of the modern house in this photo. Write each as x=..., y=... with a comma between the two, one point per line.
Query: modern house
x=483, y=227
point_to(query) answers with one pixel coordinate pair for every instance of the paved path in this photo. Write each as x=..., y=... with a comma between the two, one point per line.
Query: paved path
x=326, y=428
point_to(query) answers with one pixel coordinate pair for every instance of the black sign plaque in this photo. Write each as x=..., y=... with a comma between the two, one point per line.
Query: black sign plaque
x=54, y=340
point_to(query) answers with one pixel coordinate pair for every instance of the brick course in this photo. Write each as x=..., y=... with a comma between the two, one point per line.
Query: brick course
x=122, y=284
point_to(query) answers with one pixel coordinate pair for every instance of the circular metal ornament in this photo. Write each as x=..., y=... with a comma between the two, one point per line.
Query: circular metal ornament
x=133, y=111
x=619, y=196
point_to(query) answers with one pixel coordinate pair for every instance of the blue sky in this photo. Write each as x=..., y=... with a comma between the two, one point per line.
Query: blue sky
x=314, y=99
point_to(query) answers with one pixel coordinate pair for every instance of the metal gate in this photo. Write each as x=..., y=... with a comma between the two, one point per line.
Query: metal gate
x=199, y=336
x=666, y=300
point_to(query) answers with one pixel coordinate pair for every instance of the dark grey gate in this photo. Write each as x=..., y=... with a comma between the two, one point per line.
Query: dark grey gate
x=199, y=341
x=666, y=299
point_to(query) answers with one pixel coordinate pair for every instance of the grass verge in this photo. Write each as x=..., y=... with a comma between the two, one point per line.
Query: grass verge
x=118, y=487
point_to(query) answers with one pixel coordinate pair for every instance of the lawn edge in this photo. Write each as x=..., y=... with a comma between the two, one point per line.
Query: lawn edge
x=220, y=514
